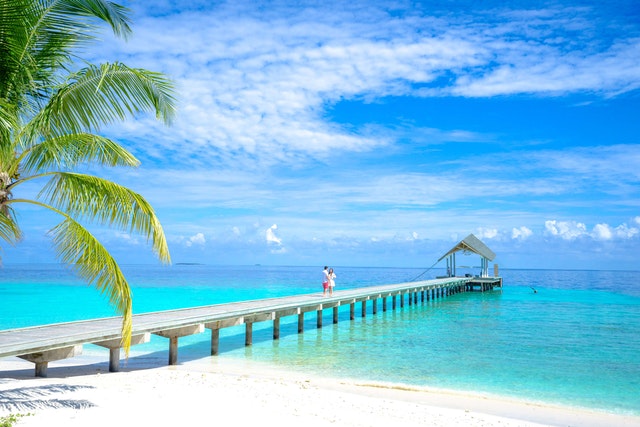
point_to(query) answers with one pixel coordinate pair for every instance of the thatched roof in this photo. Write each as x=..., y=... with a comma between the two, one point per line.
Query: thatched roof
x=471, y=244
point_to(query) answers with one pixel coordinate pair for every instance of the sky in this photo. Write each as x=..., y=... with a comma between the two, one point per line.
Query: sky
x=381, y=133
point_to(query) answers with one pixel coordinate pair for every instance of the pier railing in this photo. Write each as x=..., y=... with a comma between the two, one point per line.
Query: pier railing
x=44, y=344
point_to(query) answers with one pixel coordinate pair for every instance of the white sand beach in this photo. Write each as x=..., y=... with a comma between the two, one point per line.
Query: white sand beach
x=207, y=392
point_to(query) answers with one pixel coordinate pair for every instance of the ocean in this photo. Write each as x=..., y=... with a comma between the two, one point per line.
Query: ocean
x=562, y=337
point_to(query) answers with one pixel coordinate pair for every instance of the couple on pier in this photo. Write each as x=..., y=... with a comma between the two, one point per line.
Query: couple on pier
x=328, y=280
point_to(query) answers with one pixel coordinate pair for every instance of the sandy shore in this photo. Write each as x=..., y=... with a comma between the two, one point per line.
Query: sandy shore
x=206, y=392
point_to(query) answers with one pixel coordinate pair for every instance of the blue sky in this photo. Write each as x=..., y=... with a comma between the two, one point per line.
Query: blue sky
x=381, y=133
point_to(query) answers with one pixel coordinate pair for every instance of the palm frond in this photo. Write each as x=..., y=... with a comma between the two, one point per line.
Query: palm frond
x=113, y=14
x=99, y=95
x=76, y=246
x=14, y=29
x=67, y=151
x=97, y=199
x=37, y=40
x=9, y=230
x=8, y=125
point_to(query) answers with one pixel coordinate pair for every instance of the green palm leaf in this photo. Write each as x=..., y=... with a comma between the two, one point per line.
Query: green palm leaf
x=62, y=16
x=9, y=230
x=8, y=122
x=37, y=39
x=93, y=198
x=67, y=151
x=101, y=95
x=77, y=247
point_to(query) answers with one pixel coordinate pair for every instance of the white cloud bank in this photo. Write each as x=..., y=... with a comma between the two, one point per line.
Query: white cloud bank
x=255, y=80
x=571, y=230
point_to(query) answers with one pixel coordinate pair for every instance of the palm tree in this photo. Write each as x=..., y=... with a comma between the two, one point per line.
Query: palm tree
x=50, y=112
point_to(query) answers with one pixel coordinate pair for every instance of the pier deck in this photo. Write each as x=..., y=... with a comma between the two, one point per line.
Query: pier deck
x=44, y=344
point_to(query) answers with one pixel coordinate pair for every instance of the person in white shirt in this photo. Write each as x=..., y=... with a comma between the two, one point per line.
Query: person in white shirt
x=325, y=280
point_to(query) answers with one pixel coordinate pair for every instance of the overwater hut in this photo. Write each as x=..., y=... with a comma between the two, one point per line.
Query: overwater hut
x=468, y=245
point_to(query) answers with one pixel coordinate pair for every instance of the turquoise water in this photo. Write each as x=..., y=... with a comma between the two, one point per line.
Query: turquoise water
x=574, y=342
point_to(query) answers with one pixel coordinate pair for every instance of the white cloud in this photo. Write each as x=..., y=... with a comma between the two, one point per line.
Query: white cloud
x=602, y=232
x=570, y=230
x=197, y=239
x=258, y=87
x=624, y=232
x=521, y=233
x=487, y=233
x=606, y=232
x=567, y=230
x=271, y=235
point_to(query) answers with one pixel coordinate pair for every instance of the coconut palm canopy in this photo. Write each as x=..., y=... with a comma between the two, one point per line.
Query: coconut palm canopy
x=51, y=107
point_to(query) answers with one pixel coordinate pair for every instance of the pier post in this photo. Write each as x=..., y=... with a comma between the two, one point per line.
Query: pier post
x=276, y=328
x=393, y=302
x=364, y=308
x=300, y=323
x=401, y=300
x=248, y=337
x=215, y=341
x=174, y=333
x=374, y=307
x=335, y=314
x=41, y=369
x=173, y=350
x=114, y=359
x=352, y=311
x=384, y=304
x=319, y=318
x=415, y=297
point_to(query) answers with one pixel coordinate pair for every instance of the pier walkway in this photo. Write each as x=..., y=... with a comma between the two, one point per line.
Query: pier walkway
x=44, y=344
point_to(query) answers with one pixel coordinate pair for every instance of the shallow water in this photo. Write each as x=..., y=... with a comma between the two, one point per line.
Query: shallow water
x=574, y=342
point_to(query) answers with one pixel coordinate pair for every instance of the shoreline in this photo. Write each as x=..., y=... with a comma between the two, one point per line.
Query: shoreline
x=240, y=391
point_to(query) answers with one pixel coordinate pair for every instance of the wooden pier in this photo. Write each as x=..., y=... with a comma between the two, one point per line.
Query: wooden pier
x=44, y=344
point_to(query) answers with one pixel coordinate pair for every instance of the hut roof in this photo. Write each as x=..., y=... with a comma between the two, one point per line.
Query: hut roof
x=471, y=244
